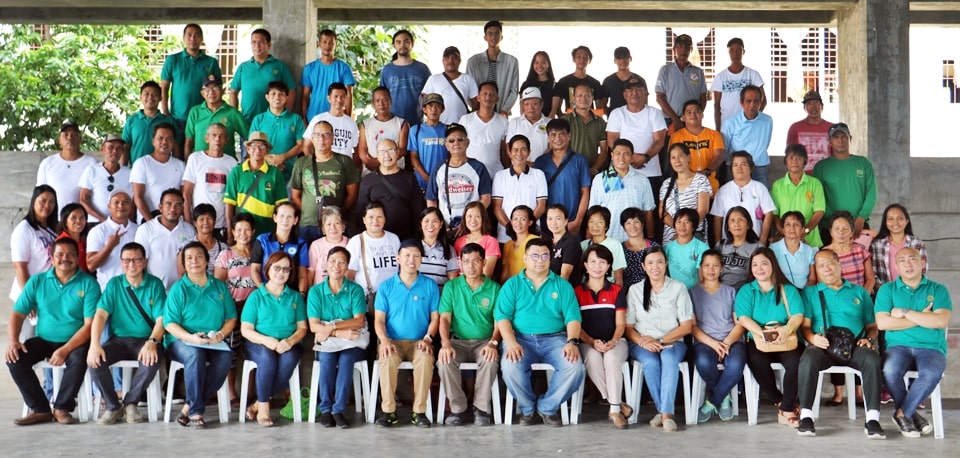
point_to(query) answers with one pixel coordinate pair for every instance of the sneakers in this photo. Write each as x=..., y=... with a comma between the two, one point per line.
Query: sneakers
x=626, y=410
x=907, y=428
x=921, y=424
x=706, y=412
x=386, y=420
x=527, y=420
x=551, y=420
x=326, y=419
x=132, y=414
x=656, y=421
x=806, y=428
x=341, y=420
x=669, y=425
x=454, y=419
x=618, y=420
x=481, y=418
x=885, y=397
x=420, y=420
x=110, y=417
x=873, y=430
x=726, y=409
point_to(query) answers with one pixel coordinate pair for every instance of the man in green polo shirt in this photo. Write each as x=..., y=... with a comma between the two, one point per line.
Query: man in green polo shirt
x=64, y=300
x=915, y=312
x=138, y=130
x=251, y=78
x=182, y=72
x=539, y=319
x=848, y=306
x=255, y=187
x=133, y=304
x=283, y=127
x=468, y=335
x=214, y=109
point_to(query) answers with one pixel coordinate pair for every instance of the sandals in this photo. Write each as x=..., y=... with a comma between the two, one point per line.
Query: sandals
x=266, y=422
x=252, y=412
x=792, y=421
x=183, y=419
x=197, y=422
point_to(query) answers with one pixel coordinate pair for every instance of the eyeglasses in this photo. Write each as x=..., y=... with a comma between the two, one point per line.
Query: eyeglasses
x=456, y=139
x=257, y=146
x=322, y=134
x=279, y=269
x=539, y=257
x=131, y=260
x=387, y=151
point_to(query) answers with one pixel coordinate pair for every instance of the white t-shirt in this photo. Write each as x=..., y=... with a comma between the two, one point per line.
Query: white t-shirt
x=381, y=259
x=754, y=197
x=209, y=178
x=157, y=177
x=97, y=240
x=453, y=107
x=730, y=84
x=32, y=247
x=639, y=129
x=514, y=190
x=162, y=247
x=535, y=132
x=346, y=135
x=376, y=130
x=96, y=179
x=485, y=139
x=64, y=177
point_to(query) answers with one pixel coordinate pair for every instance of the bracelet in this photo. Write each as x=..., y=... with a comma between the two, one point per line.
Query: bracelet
x=220, y=335
x=789, y=329
x=428, y=338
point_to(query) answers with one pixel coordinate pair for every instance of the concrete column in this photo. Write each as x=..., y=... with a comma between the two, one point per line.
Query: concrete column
x=874, y=60
x=293, y=25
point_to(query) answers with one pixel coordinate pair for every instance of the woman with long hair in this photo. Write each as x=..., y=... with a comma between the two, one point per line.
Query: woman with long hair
x=683, y=189
x=737, y=247
x=439, y=262
x=896, y=233
x=541, y=77
x=476, y=229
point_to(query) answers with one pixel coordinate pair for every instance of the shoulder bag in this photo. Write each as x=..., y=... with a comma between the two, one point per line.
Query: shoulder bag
x=842, y=341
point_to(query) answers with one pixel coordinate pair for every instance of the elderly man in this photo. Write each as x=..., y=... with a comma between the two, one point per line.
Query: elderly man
x=98, y=182
x=469, y=334
x=488, y=130
x=115, y=231
x=643, y=125
x=213, y=109
x=205, y=177
x=588, y=132
x=750, y=131
x=153, y=174
x=406, y=319
x=531, y=123
x=812, y=131
x=538, y=317
x=679, y=81
x=914, y=312
x=496, y=66
x=62, y=171
x=255, y=186
x=470, y=182
x=849, y=306
x=848, y=182
x=728, y=83
x=459, y=90
x=64, y=300
x=132, y=306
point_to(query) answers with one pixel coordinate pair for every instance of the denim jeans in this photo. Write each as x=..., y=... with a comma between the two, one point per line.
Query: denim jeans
x=547, y=349
x=759, y=174
x=719, y=383
x=273, y=369
x=203, y=372
x=119, y=349
x=899, y=359
x=336, y=375
x=38, y=349
x=661, y=372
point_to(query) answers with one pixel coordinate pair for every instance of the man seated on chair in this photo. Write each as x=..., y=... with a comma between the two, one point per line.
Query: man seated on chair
x=914, y=311
x=849, y=306
x=133, y=304
x=468, y=334
x=63, y=300
x=539, y=319
x=405, y=319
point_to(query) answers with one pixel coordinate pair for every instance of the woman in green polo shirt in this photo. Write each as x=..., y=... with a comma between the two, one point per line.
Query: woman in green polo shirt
x=198, y=314
x=274, y=321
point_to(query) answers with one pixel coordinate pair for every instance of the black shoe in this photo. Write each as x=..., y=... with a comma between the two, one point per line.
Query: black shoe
x=907, y=428
x=341, y=420
x=326, y=419
x=386, y=420
x=922, y=424
x=806, y=428
x=527, y=420
x=481, y=418
x=454, y=419
x=420, y=420
x=873, y=430
x=551, y=420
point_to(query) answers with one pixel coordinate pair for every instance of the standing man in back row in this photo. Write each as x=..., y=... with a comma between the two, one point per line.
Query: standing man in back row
x=405, y=78
x=182, y=74
x=496, y=66
x=679, y=81
x=319, y=74
x=728, y=83
x=459, y=90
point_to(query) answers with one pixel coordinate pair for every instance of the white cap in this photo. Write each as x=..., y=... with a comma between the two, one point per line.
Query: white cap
x=531, y=93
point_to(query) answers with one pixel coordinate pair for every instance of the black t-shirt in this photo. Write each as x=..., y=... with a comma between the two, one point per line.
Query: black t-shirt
x=402, y=204
x=566, y=251
x=613, y=87
x=566, y=85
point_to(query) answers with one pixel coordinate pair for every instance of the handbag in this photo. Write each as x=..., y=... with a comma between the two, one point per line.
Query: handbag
x=287, y=410
x=335, y=344
x=842, y=341
x=767, y=346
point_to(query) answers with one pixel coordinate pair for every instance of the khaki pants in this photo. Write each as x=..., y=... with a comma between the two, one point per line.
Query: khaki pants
x=422, y=375
x=606, y=369
x=468, y=351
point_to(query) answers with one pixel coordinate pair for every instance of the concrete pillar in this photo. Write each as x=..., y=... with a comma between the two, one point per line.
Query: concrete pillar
x=874, y=60
x=293, y=25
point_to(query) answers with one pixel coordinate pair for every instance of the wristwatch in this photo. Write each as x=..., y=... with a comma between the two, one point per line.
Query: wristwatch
x=574, y=341
x=153, y=341
x=493, y=342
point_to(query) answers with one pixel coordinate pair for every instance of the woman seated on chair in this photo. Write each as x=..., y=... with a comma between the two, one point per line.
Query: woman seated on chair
x=274, y=321
x=198, y=314
x=336, y=308
x=771, y=310
x=659, y=315
x=719, y=353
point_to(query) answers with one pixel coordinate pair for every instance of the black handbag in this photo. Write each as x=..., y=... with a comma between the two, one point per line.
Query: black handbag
x=842, y=341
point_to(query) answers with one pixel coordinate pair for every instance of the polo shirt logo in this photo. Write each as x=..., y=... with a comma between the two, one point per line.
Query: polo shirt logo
x=809, y=196
x=268, y=186
x=554, y=295
x=930, y=298
x=275, y=71
x=859, y=173
x=292, y=250
x=80, y=293
x=485, y=302
x=416, y=298
x=856, y=301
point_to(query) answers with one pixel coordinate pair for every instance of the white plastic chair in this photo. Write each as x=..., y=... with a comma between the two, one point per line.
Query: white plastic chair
x=361, y=387
x=84, y=396
x=494, y=396
x=375, y=391
x=569, y=416
x=936, y=403
x=248, y=367
x=223, y=396
x=154, y=391
x=752, y=389
x=700, y=393
x=850, y=384
x=636, y=388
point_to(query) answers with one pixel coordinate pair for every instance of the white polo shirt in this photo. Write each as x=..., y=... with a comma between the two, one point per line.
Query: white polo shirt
x=514, y=190
x=162, y=247
x=97, y=240
x=536, y=132
x=96, y=179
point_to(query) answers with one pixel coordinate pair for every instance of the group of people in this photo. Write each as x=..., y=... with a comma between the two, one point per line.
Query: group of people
x=441, y=232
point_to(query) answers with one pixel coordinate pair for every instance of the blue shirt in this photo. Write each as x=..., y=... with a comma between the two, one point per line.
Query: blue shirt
x=428, y=142
x=408, y=310
x=318, y=76
x=752, y=136
x=565, y=188
x=61, y=308
x=267, y=244
x=405, y=83
x=796, y=266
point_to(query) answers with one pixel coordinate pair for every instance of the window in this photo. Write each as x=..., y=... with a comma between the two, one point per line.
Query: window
x=227, y=51
x=778, y=68
x=949, y=80
x=154, y=35
x=703, y=54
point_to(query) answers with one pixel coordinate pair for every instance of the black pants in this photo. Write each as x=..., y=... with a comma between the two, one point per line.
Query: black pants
x=863, y=359
x=29, y=385
x=119, y=349
x=759, y=363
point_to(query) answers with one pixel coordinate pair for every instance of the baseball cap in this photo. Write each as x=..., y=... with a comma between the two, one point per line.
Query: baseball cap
x=112, y=138
x=812, y=95
x=211, y=79
x=839, y=127
x=451, y=50
x=621, y=53
x=531, y=93
x=683, y=39
x=433, y=98
x=735, y=41
x=454, y=128
x=68, y=124
x=636, y=81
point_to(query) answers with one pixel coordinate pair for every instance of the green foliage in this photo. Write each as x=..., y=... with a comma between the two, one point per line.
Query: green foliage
x=86, y=73
x=367, y=49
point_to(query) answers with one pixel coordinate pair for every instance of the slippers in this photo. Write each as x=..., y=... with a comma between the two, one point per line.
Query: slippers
x=252, y=412
x=183, y=419
x=832, y=403
x=197, y=422
x=266, y=422
x=792, y=421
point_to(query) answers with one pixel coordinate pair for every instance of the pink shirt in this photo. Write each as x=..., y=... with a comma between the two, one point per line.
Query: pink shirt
x=490, y=245
x=318, y=256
